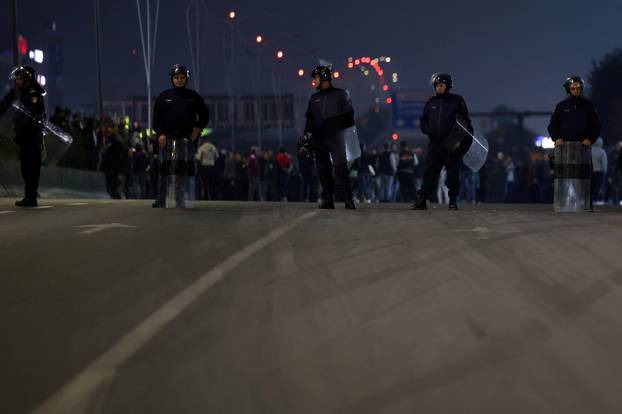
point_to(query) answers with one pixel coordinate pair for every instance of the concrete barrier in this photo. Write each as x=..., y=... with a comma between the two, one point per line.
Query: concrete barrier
x=56, y=182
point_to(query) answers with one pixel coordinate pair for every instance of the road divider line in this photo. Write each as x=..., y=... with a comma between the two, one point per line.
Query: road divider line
x=78, y=204
x=7, y=212
x=76, y=396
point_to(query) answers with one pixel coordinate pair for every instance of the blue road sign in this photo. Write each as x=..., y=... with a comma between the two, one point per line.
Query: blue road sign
x=407, y=108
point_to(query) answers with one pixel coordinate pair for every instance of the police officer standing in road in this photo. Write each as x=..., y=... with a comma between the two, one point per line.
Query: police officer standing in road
x=437, y=122
x=330, y=112
x=178, y=113
x=575, y=118
x=28, y=137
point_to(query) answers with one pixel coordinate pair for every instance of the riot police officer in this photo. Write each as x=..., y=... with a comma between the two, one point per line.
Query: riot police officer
x=28, y=135
x=437, y=122
x=575, y=118
x=329, y=113
x=178, y=113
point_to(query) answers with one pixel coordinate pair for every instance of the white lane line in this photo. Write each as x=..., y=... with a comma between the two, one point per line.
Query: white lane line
x=75, y=396
x=7, y=212
x=78, y=204
x=95, y=228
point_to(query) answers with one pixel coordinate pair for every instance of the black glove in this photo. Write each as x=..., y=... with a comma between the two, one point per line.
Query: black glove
x=304, y=146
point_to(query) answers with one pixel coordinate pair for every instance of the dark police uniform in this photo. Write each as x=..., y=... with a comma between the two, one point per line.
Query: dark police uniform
x=575, y=119
x=330, y=111
x=438, y=120
x=176, y=112
x=28, y=136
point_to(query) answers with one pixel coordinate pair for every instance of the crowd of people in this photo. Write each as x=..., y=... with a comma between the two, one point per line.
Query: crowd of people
x=122, y=150
x=127, y=155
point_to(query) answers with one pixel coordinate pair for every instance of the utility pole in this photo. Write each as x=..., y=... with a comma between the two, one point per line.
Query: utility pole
x=15, y=36
x=100, y=100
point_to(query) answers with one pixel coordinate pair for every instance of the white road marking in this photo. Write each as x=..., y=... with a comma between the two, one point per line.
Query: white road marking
x=94, y=228
x=75, y=396
x=40, y=207
x=78, y=204
x=7, y=212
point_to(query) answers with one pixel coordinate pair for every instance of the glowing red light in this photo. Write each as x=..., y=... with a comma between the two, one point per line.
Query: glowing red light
x=385, y=88
x=389, y=100
x=357, y=62
x=395, y=137
x=23, y=45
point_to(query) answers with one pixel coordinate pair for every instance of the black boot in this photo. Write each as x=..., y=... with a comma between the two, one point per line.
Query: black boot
x=350, y=205
x=420, y=204
x=327, y=205
x=27, y=202
x=453, y=204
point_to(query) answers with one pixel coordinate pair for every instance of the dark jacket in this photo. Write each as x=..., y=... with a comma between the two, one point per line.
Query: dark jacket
x=28, y=132
x=329, y=110
x=439, y=115
x=266, y=169
x=407, y=162
x=575, y=119
x=177, y=111
x=384, y=164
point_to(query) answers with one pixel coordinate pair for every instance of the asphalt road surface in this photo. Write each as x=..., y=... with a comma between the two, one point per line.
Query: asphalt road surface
x=115, y=307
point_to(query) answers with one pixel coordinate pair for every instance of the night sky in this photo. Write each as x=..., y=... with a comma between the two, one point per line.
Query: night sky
x=500, y=52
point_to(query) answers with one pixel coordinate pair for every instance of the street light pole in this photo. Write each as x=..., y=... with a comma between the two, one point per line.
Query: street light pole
x=100, y=99
x=259, y=39
x=148, y=52
x=277, y=96
x=195, y=46
x=232, y=105
x=15, y=36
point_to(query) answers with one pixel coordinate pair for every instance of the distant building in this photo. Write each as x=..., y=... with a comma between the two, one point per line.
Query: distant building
x=281, y=117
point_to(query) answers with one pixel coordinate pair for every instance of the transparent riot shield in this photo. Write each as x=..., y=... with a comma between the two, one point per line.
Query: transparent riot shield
x=472, y=149
x=12, y=122
x=573, y=173
x=180, y=173
x=55, y=141
x=352, y=144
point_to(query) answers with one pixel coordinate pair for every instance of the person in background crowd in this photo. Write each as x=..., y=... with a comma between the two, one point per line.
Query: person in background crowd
x=253, y=172
x=206, y=156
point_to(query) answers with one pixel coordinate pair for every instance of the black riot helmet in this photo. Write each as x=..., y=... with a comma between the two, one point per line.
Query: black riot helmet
x=24, y=70
x=573, y=79
x=325, y=72
x=179, y=69
x=443, y=78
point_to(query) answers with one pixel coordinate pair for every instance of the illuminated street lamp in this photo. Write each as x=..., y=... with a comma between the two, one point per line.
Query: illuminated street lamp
x=232, y=15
